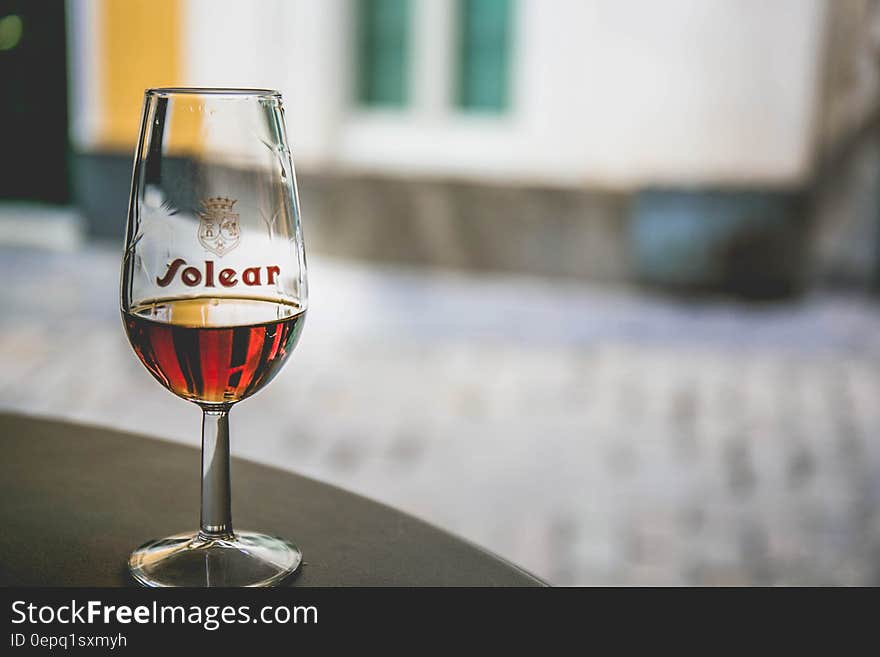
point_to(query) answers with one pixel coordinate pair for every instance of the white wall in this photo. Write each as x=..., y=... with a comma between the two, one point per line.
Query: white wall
x=83, y=25
x=622, y=93
x=292, y=45
x=616, y=93
x=678, y=91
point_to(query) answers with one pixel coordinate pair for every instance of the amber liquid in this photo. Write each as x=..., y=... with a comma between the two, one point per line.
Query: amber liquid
x=214, y=350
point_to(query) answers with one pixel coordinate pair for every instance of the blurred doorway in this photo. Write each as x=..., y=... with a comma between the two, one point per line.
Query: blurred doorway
x=33, y=114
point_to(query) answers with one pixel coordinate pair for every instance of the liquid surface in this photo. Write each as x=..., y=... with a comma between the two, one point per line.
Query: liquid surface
x=212, y=350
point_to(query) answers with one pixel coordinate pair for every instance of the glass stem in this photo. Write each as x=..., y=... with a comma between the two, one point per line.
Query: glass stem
x=216, y=521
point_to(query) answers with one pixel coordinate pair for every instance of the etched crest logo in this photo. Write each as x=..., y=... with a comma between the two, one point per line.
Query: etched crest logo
x=219, y=232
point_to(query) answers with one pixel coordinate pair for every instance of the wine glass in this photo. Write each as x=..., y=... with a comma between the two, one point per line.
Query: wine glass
x=213, y=298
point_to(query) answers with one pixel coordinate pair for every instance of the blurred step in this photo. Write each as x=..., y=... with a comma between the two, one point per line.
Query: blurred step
x=52, y=227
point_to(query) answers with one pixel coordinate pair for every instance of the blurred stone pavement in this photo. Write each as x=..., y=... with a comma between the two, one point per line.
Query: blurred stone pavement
x=593, y=436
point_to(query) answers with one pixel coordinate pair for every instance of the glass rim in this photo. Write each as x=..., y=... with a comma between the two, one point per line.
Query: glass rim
x=230, y=92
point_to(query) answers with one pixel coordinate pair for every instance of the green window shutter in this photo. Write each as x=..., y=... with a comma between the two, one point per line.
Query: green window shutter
x=484, y=54
x=383, y=43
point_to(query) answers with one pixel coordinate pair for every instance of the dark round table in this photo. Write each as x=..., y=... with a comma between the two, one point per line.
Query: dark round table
x=75, y=500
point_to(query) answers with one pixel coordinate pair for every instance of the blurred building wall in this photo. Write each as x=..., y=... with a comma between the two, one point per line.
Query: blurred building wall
x=845, y=194
x=610, y=94
x=607, y=106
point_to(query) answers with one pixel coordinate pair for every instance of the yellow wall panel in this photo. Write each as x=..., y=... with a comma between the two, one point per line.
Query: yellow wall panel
x=142, y=46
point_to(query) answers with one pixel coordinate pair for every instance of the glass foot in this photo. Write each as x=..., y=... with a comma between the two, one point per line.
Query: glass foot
x=246, y=559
